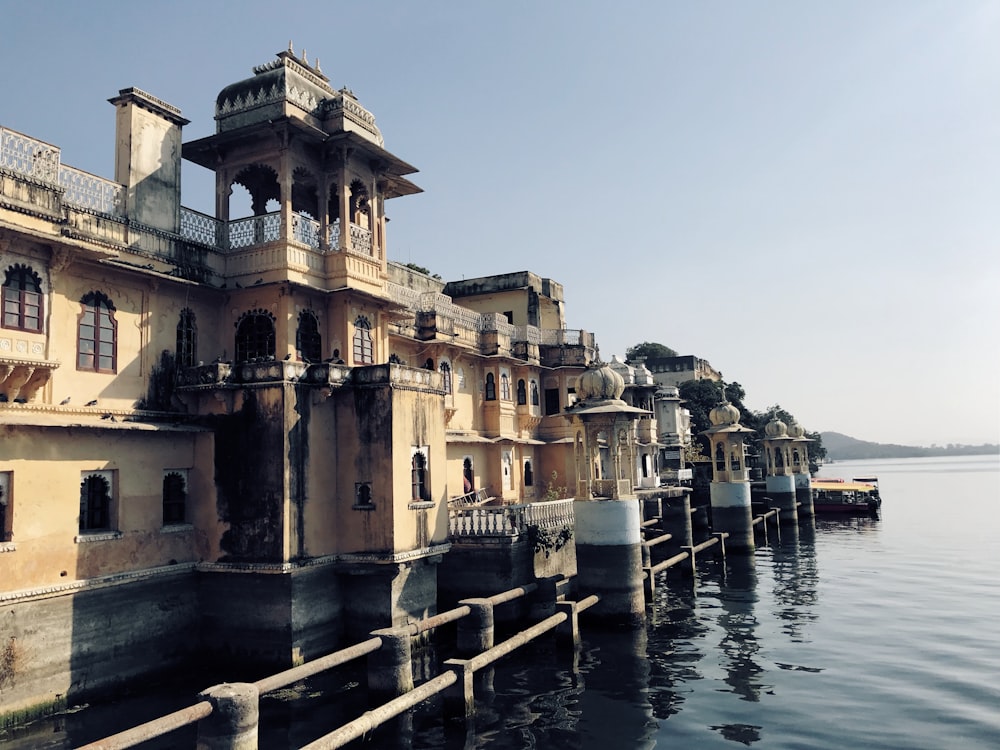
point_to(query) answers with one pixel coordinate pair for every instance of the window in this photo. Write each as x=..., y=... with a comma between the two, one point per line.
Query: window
x=255, y=336
x=6, y=509
x=95, y=501
x=505, y=386
x=534, y=393
x=418, y=476
x=509, y=314
x=307, y=338
x=187, y=339
x=22, y=299
x=445, y=369
x=97, y=334
x=529, y=474
x=363, y=350
x=720, y=458
x=522, y=393
x=174, y=497
x=491, y=387
x=551, y=401
x=363, y=495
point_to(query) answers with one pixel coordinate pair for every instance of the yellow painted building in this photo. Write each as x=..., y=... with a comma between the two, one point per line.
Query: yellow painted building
x=238, y=435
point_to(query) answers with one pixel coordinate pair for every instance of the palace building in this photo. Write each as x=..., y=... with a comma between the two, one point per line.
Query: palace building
x=240, y=435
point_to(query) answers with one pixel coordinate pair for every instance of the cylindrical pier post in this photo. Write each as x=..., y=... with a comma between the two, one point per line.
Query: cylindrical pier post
x=677, y=523
x=803, y=495
x=232, y=725
x=477, y=629
x=731, y=513
x=781, y=490
x=390, y=669
x=609, y=559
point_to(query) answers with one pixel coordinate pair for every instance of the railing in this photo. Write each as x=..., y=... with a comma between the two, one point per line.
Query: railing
x=333, y=235
x=531, y=334
x=510, y=520
x=200, y=228
x=361, y=240
x=566, y=337
x=305, y=230
x=28, y=156
x=84, y=190
x=254, y=230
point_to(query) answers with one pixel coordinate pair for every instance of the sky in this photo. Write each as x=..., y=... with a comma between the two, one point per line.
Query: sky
x=805, y=194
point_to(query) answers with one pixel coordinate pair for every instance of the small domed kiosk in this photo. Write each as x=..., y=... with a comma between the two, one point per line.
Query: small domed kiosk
x=780, y=479
x=800, y=470
x=730, y=488
x=608, y=536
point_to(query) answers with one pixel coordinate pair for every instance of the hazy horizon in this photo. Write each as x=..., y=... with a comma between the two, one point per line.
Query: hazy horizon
x=804, y=194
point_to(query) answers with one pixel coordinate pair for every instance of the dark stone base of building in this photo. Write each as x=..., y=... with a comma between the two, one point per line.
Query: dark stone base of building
x=737, y=521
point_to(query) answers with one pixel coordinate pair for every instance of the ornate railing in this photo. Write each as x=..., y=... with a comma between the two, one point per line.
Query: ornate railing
x=565, y=337
x=510, y=520
x=305, y=230
x=254, y=230
x=531, y=334
x=361, y=240
x=201, y=228
x=333, y=235
x=29, y=156
x=92, y=193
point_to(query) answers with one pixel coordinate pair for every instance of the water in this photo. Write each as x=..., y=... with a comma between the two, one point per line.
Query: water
x=862, y=633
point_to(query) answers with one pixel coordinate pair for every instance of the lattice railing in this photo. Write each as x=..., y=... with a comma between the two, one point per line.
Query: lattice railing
x=201, y=228
x=254, y=230
x=305, y=230
x=28, y=156
x=93, y=193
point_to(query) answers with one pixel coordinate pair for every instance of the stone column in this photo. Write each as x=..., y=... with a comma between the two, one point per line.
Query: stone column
x=609, y=559
x=232, y=725
x=803, y=495
x=781, y=490
x=731, y=513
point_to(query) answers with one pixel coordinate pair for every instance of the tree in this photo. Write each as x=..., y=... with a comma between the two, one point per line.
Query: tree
x=648, y=350
x=421, y=269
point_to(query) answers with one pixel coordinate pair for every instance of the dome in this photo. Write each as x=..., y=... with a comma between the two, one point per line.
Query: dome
x=795, y=430
x=776, y=429
x=625, y=370
x=724, y=414
x=600, y=383
x=290, y=86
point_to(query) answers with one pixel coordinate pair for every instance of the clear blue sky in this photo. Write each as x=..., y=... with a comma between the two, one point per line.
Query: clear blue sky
x=806, y=194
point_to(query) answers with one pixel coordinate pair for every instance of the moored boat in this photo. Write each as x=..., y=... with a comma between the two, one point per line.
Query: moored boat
x=857, y=497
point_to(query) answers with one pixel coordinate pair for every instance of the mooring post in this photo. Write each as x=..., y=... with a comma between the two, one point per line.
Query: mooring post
x=677, y=523
x=390, y=668
x=690, y=565
x=569, y=631
x=543, y=601
x=476, y=629
x=232, y=725
x=459, y=697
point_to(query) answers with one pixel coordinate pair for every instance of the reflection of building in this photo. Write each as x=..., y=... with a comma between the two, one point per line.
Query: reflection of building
x=240, y=433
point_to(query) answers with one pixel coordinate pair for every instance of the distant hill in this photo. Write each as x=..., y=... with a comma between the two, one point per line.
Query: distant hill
x=840, y=447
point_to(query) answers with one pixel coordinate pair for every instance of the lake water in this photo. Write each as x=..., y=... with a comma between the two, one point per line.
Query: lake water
x=860, y=633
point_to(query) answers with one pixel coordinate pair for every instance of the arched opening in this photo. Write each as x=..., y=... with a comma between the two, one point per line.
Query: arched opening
x=255, y=336
x=307, y=339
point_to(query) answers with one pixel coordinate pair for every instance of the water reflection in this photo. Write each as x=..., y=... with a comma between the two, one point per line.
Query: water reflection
x=796, y=577
x=740, y=645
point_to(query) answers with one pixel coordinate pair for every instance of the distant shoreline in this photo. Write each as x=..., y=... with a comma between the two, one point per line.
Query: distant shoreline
x=840, y=447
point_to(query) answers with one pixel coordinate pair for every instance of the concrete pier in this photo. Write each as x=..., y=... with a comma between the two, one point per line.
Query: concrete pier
x=609, y=559
x=803, y=495
x=232, y=725
x=781, y=490
x=731, y=514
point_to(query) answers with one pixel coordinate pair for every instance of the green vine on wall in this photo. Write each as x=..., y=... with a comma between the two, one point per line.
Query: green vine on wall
x=549, y=540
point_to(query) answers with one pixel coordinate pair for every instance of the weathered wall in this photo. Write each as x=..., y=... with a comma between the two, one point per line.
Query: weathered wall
x=62, y=648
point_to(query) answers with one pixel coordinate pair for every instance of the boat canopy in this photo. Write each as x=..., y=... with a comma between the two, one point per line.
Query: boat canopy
x=842, y=486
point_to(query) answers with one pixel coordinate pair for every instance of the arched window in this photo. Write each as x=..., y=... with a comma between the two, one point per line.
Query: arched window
x=187, y=339
x=363, y=349
x=720, y=458
x=95, y=503
x=734, y=461
x=97, y=334
x=174, y=498
x=796, y=459
x=255, y=336
x=491, y=387
x=22, y=299
x=534, y=393
x=418, y=477
x=445, y=369
x=522, y=393
x=505, y=386
x=529, y=475
x=307, y=339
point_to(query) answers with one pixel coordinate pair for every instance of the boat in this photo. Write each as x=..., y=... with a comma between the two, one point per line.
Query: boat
x=858, y=497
